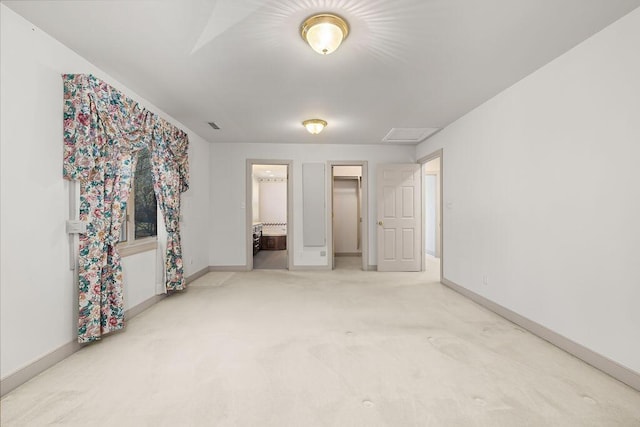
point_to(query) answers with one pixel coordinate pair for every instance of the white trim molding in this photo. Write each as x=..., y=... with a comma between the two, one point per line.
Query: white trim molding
x=22, y=375
x=231, y=268
x=598, y=361
x=311, y=268
x=198, y=274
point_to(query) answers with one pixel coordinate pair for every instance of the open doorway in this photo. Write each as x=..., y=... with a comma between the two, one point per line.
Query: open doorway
x=268, y=215
x=432, y=211
x=348, y=224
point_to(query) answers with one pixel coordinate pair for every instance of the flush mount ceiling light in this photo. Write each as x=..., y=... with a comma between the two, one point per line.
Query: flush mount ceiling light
x=324, y=32
x=314, y=126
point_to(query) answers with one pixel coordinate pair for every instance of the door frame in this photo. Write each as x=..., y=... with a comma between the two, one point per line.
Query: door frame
x=434, y=155
x=249, y=208
x=364, y=213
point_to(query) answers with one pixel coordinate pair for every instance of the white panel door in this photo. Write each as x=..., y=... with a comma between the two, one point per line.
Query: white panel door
x=399, y=217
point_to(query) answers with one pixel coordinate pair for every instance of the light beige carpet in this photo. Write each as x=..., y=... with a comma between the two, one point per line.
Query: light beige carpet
x=342, y=348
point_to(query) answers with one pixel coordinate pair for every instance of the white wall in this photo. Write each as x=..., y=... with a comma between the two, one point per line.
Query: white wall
x=273, y=201
x=195, y=225
x=345, y=210
x=228, y=199
x=139, y=282
x=345, y=216
x=430, y=214
x=542, y=195
x=38, y=302
x=339, y=170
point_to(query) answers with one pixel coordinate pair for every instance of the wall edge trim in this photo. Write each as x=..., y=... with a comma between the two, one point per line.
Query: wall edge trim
x=198, y=274
x=31, y=370
x=233, y=268
x=311, y=268
x=598, y=361
x=41, y=364
x=139, y=308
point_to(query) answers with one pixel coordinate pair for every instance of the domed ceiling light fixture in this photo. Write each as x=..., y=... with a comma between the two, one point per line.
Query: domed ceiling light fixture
x=324, y=32
x=314, y=126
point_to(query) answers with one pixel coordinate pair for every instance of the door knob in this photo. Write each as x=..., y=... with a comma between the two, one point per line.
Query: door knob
x=379, y=222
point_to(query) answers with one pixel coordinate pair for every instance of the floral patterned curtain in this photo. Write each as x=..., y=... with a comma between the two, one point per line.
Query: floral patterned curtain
x=103, y=130
x=170, y=168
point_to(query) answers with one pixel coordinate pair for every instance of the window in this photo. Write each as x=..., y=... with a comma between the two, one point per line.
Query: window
x=139, y=231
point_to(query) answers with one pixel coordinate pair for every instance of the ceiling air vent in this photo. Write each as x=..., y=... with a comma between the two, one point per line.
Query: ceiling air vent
x=409, y=135
x=213, y=125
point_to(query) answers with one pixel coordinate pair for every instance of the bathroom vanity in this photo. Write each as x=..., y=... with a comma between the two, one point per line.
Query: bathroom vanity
x=274, y=243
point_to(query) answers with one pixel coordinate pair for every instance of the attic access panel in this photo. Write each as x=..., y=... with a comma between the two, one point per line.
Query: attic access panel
x=409, y=135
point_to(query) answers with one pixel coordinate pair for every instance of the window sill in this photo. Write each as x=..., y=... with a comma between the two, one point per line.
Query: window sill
x=143, y=245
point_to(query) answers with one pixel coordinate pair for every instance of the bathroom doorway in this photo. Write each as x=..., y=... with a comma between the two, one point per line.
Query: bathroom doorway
x=348, y=218
x=268, y=215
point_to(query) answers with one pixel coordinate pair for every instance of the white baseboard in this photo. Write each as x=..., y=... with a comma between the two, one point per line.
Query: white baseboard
x=598, y=361
x=197, y=275
x=233, y=268
x=239, y=268
x=23, y=375
x=310, y=268
x=134, y=311
x=32, y=369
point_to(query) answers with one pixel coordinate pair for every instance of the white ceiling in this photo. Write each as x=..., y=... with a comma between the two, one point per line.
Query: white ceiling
x=243, y=65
